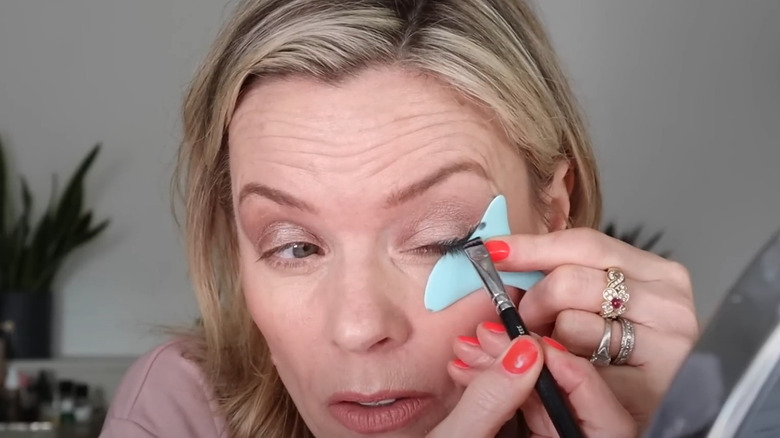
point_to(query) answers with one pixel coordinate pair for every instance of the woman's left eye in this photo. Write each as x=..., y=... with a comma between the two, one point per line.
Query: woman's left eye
x=298, y=250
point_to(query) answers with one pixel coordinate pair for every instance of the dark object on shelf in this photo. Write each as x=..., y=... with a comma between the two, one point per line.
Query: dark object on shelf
x=67, y=402
x=25, y=324
x=632, y=238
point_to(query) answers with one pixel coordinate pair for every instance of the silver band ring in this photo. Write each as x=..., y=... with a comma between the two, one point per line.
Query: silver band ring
x=615, y=295
x=601, y=356
x=627, y=341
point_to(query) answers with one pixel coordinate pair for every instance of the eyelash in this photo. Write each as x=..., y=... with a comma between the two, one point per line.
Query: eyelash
x=435, y=249
x=438, y=249
x=450, y=246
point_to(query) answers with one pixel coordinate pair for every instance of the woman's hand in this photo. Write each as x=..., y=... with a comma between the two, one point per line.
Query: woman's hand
x=567, y=302
x=495, y=392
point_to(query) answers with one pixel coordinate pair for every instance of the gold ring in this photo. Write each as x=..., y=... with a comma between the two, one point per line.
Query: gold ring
x=615, y=295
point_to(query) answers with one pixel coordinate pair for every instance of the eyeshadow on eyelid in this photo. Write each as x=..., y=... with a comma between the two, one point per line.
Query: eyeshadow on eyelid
x=280, y=233
x=453, y=213
x=440, y=224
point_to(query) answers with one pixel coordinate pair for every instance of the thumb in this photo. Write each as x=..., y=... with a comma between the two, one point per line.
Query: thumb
x=494, y=397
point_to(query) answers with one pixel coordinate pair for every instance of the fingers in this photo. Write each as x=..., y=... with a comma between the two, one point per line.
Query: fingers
x=581, y=331
x=494, y=396
x=475, y=354
x=586, y=247
x=654, y=304
x=598, y=410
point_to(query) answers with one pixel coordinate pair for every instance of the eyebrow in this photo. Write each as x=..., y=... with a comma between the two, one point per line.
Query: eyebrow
x=395, y=198
x=275, y=195
x=416, y=189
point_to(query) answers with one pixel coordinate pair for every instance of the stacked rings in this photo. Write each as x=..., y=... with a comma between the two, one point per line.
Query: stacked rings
x=614, y=305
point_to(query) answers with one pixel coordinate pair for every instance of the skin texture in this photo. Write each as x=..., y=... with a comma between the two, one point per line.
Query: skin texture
x=335, y=251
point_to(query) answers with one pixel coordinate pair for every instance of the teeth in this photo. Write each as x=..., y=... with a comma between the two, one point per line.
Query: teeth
x=386, y=402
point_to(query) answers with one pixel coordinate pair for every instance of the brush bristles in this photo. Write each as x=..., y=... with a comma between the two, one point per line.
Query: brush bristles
x=472, y=243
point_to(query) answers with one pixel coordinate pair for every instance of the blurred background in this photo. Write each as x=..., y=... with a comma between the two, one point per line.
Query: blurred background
x=682, y=99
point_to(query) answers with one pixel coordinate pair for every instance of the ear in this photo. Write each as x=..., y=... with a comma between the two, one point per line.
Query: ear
x=559, y=197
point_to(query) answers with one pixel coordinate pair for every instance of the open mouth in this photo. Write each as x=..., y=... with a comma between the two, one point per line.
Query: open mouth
x=378, y=414
x=385, y=402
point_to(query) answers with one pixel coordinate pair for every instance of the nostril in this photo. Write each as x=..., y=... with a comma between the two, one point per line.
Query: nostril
x=382, y=342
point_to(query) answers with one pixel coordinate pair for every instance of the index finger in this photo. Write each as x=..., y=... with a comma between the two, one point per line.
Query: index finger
x=495, y=395
x=598, y=410
x=579, y=246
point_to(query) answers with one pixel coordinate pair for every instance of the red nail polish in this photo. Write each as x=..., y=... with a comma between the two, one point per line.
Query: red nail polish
x=460, y=364
x=552, y=342
x=469, y=340
x=495, y=327
x=521, y=356
x=498, y=249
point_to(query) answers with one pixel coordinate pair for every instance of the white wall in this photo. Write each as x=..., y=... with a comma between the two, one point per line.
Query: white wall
x=681, y=97
x=77, y=72
x=684, y=102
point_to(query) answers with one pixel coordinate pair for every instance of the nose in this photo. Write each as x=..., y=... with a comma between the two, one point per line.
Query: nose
x=367, y=307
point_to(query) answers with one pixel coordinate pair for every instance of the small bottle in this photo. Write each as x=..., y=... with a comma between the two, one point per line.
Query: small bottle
x=29, y=399
x=47, y=408
x=13, y=396
x=83, y=410
x=67, y=402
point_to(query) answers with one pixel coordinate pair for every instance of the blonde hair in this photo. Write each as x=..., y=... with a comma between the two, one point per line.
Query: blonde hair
x=494, y=52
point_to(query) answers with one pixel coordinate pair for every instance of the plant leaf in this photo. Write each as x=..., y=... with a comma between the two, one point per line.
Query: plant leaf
x=31, y=256
x=609, y=230
x=5, y=209
x=651, y=242
x=71, y=197
x=632, y=236
x=18, y=239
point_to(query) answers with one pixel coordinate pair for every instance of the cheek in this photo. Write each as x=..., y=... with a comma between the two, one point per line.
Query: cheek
x=278, y=313
x=462, y=318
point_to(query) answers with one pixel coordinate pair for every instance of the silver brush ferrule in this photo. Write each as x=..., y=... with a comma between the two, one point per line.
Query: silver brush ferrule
x=480, y=257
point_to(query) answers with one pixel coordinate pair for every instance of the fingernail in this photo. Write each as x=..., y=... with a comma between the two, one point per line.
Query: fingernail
x=469, y=340
x=552, y=342
x=495, y=327
x=498, y=249
x=460, y=364
x=521, y=356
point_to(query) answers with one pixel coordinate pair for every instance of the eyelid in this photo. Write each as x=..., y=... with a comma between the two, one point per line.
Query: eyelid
x=279, y=234
x=433, y=233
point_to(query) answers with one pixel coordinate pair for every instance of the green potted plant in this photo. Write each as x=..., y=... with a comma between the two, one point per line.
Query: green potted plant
x=632, y=238
x=32, y=250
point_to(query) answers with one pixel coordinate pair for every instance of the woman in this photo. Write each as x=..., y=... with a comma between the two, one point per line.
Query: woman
x=329, y=148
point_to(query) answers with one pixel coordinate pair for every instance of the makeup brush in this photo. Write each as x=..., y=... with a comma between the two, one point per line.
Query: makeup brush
x=547, y=388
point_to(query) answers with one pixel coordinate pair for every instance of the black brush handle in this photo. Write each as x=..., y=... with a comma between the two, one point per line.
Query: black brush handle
x=562, y=418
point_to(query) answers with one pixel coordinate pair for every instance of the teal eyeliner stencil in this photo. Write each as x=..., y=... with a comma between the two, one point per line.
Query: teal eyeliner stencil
x=453, y=277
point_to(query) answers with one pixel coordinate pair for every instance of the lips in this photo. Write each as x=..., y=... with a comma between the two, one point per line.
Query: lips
x=379, y=412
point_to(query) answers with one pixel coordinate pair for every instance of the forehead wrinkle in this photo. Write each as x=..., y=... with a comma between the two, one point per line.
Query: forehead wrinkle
x=329, y=135
x=368, y=160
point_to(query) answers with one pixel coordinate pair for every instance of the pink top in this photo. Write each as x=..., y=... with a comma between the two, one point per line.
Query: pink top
x=163, y=395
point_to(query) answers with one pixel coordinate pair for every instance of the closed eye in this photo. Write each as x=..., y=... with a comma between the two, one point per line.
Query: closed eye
x=449, y=246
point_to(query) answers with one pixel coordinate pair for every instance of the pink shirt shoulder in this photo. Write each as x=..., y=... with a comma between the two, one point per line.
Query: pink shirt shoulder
x=163, y=395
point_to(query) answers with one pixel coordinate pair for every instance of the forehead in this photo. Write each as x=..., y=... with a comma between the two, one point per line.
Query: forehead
x=365, y=100
x=376, y=127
